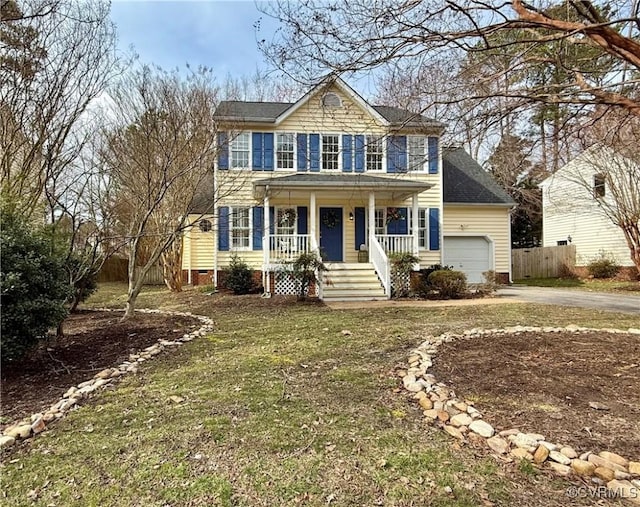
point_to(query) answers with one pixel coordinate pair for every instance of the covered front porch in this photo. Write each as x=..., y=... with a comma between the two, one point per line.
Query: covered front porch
x=345, y=219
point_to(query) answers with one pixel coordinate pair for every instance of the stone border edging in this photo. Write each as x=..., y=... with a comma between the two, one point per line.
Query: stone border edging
x=37, y=423
x=461, y=419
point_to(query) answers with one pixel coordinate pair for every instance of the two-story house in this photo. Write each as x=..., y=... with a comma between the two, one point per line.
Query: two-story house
x=333, y=174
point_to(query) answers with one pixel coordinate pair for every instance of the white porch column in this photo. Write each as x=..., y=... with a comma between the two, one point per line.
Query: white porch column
x=312, y=219
x=372, y=215
x=266, y=244
x=415, y=223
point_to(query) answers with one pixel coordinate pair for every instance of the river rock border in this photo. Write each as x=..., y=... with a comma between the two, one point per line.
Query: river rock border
x=37, y=423
x=460, y=419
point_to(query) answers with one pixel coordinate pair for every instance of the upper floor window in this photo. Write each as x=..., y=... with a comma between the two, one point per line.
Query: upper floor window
x=240, y=227
x=374, y=153
x=240, y=150
x=330, y=152
x=599, y=188
x=331, y=100
x=285, y=151
x=416, y=153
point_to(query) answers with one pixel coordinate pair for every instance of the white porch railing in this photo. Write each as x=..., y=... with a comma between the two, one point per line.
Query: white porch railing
x=380, y=261
x=286, y=247
x=395, y=243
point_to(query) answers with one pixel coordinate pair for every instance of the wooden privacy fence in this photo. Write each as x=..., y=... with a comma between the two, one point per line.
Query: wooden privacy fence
x=115, y=269
x=542, y=262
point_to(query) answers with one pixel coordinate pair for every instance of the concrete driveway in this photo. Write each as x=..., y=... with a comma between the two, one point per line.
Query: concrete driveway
x=598, y=300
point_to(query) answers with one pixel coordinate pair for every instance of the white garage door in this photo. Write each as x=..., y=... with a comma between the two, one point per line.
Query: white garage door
x=469, y=254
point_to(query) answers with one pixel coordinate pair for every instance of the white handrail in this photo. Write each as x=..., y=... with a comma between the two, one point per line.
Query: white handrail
x=395, y=243
x=380, y=261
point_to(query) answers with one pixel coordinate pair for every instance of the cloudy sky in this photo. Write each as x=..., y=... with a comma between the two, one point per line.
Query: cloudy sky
x=220, y=34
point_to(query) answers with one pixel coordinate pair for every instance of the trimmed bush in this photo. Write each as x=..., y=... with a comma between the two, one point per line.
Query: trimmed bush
x=34, y=286
x=448, y=284
x=239, y=277
x=422, y=286
x=603, y=267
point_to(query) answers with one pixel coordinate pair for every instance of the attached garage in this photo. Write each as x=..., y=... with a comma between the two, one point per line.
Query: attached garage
x=473, y=255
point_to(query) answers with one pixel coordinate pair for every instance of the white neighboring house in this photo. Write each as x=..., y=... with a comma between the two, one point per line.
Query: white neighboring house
x=573, y=203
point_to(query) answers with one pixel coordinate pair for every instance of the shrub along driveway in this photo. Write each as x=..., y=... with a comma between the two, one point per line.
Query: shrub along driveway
x=285, y=404
x=578, y=298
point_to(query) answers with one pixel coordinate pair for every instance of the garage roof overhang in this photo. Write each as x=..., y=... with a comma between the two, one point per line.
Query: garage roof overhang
x=388, y=188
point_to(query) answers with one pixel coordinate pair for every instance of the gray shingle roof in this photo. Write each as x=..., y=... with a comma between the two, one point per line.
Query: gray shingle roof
x=261, y=112
x=465, y=181
x=268, y=112
x=313, y=180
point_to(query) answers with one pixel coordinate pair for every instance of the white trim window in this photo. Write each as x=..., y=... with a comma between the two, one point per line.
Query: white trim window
x=381, y=221
x=285, y=151
x=285, y=223
x=416, y=153
x=331, y=152
x=240, y=228
x=240, y=150
x=375, y=153
x=423, y=227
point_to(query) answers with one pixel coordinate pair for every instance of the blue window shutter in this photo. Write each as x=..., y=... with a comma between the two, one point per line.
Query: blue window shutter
x=392, y=155
x=346, y=153
x=256, y=144
x=359, y=158
x=401, y=163
x=314, y=152
x=223, y=150
x=223, y=228
x=434, y=229
x=397, y=154
x=258, y=223
x=398, y=226
x=360, y=227
x=272, y=220
x=433, y=156
x=268, y=151
x=302, y=151
x=302, y=220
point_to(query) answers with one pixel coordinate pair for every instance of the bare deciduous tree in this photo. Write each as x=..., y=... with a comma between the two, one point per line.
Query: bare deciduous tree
x=160, y=150
x=358, y=35
x=57, y=57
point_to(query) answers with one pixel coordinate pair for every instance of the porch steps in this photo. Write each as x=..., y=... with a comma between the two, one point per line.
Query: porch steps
x=351, y=282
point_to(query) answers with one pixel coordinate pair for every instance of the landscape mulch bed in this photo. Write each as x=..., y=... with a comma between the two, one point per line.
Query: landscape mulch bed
x=93, y=341
x=544, y=383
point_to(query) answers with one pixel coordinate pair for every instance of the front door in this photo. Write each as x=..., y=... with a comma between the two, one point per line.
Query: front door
x=331, y=234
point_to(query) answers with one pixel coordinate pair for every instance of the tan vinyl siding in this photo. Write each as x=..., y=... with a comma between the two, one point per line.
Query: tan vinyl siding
x=313, y=117
x=490, y=221
x=571, y=210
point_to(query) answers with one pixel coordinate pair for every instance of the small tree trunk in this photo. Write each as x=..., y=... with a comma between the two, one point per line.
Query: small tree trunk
x=172, y=266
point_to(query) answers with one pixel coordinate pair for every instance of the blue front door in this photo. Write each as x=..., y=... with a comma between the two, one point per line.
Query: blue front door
x=331, y=235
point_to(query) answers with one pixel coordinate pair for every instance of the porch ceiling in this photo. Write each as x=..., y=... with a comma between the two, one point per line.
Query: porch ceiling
x=335, y=184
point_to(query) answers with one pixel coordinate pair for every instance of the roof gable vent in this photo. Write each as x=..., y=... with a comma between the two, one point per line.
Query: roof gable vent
x=331, y=100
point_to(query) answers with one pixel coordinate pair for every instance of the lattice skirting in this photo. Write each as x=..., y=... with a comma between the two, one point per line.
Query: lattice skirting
x=287, y=285
x=400, y=283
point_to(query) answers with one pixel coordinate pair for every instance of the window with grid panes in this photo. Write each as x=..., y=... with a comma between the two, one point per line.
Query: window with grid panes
x=374, y=153
x=285, y=153
x=240, y=227
x=423, y=226
x=416, y=148
x=240, y=150
x=330, y=152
